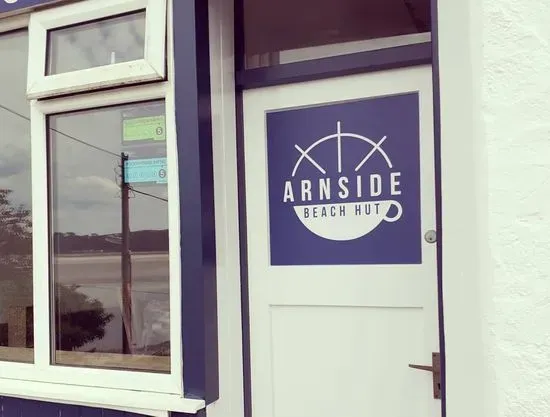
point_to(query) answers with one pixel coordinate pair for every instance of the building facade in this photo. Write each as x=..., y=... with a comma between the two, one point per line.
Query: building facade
x=273, y=209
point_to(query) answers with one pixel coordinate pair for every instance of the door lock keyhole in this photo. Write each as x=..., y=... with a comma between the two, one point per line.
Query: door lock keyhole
x=430, y=236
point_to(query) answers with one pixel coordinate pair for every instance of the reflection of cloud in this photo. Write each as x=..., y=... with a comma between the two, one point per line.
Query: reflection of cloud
x=85, y=220
x=91, y=204
x=13, y=76
x=15, y=166
x=20, y=185
x=85, y=192
x=87, y=200
x=13, y=161
x=96, y=184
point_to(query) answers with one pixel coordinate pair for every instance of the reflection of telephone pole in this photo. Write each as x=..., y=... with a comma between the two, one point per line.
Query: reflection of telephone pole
x=126, y=260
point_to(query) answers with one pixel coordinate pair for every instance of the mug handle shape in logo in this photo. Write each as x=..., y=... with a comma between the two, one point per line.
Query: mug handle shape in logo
x=397, y=215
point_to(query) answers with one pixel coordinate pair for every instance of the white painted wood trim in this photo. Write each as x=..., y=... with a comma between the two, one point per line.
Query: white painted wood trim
x=174, y=215
x=222, y=60
x=99, y=397
x=40, y=245
x=155, y=38
x=91, y=79
x=151, y=68
x=105, y=98
x=466, y=257
x=82, y=12
x=43, y=371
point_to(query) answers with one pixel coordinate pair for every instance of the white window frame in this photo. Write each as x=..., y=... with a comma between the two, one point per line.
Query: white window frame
x=134, y=391
x=151, y=68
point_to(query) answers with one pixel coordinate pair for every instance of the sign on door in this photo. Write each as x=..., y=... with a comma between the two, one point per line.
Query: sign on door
x=344, y=183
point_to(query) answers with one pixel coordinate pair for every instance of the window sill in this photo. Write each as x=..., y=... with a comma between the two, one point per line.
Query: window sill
x=140, y=402
x=14, y=354
x=114, y=361
x=99, y=360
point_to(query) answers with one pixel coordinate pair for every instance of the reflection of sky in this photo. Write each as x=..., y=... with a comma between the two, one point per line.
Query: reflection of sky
x=119, y=39
x=90, y=198
x=14, y=130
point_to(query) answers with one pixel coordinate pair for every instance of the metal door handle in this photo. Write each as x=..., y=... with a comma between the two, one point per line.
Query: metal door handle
x=422, y=367
x=435, y=369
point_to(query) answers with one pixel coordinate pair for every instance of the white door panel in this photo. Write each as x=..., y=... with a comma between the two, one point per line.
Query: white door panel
x=330, y=338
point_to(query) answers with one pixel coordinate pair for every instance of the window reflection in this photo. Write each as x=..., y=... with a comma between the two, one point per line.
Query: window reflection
x=109, y=230
x=277, y=32
x=16, y=294
x=90, y=45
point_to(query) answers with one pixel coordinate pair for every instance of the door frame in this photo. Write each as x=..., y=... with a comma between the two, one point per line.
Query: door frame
x=466, y=261
x=357, y=63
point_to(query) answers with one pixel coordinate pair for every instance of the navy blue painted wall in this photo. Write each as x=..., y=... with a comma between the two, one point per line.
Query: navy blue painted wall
x=13, y=407
x=22, y=4
x=196, y=186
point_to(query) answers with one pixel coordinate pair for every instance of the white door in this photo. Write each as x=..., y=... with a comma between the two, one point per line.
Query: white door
x=342, y=282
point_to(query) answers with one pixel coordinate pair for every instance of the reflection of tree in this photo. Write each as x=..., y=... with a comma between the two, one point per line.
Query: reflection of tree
x=142, y=241
x=15, y=268
x=15, y=229
x=80, y=318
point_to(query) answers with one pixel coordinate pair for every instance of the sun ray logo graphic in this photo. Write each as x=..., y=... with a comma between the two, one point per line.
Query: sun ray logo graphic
x=344, y=221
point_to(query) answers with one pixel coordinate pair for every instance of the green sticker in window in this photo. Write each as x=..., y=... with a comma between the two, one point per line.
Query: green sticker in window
x=144, y=128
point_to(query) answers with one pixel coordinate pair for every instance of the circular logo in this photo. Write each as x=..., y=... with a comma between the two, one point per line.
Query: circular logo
x=352, y=202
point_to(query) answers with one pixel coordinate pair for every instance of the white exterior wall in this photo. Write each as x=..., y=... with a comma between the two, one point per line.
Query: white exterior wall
x=516, y=114
x=495, y=66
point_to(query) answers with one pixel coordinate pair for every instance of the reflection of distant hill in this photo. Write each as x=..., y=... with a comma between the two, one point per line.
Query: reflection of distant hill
x=140, y=241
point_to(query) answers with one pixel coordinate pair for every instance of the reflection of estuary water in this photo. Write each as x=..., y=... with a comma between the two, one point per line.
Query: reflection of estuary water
x=99, y=277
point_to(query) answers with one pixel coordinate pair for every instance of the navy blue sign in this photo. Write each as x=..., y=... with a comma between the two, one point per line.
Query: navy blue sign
x=10, y=5
x=344, y=183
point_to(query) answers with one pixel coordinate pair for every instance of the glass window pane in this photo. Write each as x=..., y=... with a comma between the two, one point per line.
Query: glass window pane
x=109, y=231
x=277, y=32
x=16, y=294
x=96, y=44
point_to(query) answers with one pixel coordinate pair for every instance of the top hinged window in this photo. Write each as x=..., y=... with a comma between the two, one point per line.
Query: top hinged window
x=95, y=44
